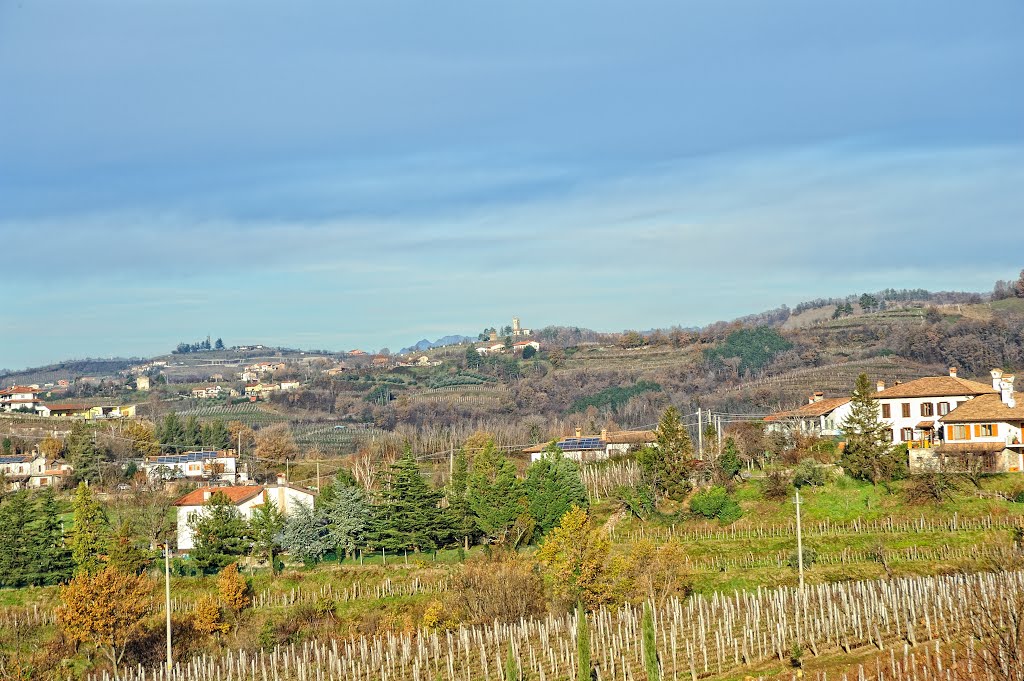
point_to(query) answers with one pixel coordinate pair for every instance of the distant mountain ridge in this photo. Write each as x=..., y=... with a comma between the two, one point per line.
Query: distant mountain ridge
x=440, y=342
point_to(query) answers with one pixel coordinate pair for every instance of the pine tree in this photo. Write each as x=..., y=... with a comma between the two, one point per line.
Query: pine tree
x=869, y=453
x=171, y=433
x=348, y=517
x=407, y=512
x=728, y=463
x=306, y=535
x=493, y=492
x=88, y=536
x=553, y=486
x=666, y=467
x=124, y=552
x=220, y=534
x=215, y=435
x=192, y=432
x=16, y=515
x=265, y=527
x=51, y=559
x=82, y=452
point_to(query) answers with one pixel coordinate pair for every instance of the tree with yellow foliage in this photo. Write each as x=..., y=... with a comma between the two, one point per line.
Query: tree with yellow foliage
x=206, y=618
x=51, y=447
x=106, y=608
x=234, y=591
x=575, y=556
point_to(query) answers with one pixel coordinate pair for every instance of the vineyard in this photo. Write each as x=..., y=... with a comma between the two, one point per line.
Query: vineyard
x=699, y=637
x=249, y=413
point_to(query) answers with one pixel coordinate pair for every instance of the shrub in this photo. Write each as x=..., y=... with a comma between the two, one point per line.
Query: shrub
x=932, y=486
x=809, y=473
x=715, y=503
x=501, y=587
x=775, y=485
x=810, y=557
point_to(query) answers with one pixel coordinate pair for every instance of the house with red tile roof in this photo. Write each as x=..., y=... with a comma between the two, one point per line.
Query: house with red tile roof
x=987, y=431
x=246, y=498
x=819, y=416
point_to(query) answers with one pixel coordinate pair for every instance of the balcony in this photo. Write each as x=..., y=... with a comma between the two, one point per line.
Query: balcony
x=919, y=444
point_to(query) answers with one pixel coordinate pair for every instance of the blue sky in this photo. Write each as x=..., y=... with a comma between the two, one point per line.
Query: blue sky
x=340, y=175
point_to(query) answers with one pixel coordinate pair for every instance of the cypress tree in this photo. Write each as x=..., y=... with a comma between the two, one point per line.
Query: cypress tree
x=87, y=537
x=407, y=513
x=51, y=558
x=463, y=522
x=511, y=666
x=582, y=644
x=82, y=452
x=124, y=552
x=650, y=650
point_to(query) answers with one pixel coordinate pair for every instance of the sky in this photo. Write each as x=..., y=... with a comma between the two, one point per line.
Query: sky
x=335, y=175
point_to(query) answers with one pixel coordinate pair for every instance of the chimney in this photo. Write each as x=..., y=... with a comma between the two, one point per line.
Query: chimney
x=281, y=480
x=880, y=386
x=579, y=432
x=1006, y=391
x=952, y=372
x=818, y=396
x=207, y=494
x=604, y=434
x=996, y=375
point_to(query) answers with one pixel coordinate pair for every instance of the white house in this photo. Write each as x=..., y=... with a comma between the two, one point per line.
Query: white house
x=988, y=430
x=220, y=466
x=33, y=470
x=245, y=498
x=820, y=416
x=912, y=410
x=596, y=447
x=522, y=345
x=20, y=397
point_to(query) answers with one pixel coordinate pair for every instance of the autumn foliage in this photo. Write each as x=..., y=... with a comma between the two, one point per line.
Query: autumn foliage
x=106, y=608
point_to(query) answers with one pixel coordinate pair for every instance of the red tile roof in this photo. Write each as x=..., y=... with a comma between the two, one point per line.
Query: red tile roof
x=237, y=494
x=935, y=386
x=819, y=408
x=987, y=408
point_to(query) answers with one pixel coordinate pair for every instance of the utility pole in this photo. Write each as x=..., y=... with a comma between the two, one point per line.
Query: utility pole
x=318, y=475
x=718, y=429
x=799, y=543
x=167, y=601
x=700, y=433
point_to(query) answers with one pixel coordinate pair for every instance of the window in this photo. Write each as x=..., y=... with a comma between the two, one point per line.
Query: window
x=886, y=411
x=927, y=409
x=943, y=408
x=906, y=410
x=892, y=436
x=906, y=434
x=985, y=430
x=959, y=433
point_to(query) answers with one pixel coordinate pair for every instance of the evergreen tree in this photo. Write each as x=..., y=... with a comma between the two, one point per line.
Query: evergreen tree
x=124, y=552
x=666, y=467
x=82, y=453
x=729, y=464
x=51, y=559
x=192, y=433
x=306, y=535
x=649, y=644
x=265, y=527
x=220, y=534
x=215, y=435
x=512, y=672
x=88, y=536
x=493, y=492
x=553, y=486
x=407, y=512
x=219, y=345
x=869, y=453
x=171, y=433
x=583, y=668
x=15, y=552
x=463, y=521
x=348, y=518
x=473, y=360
